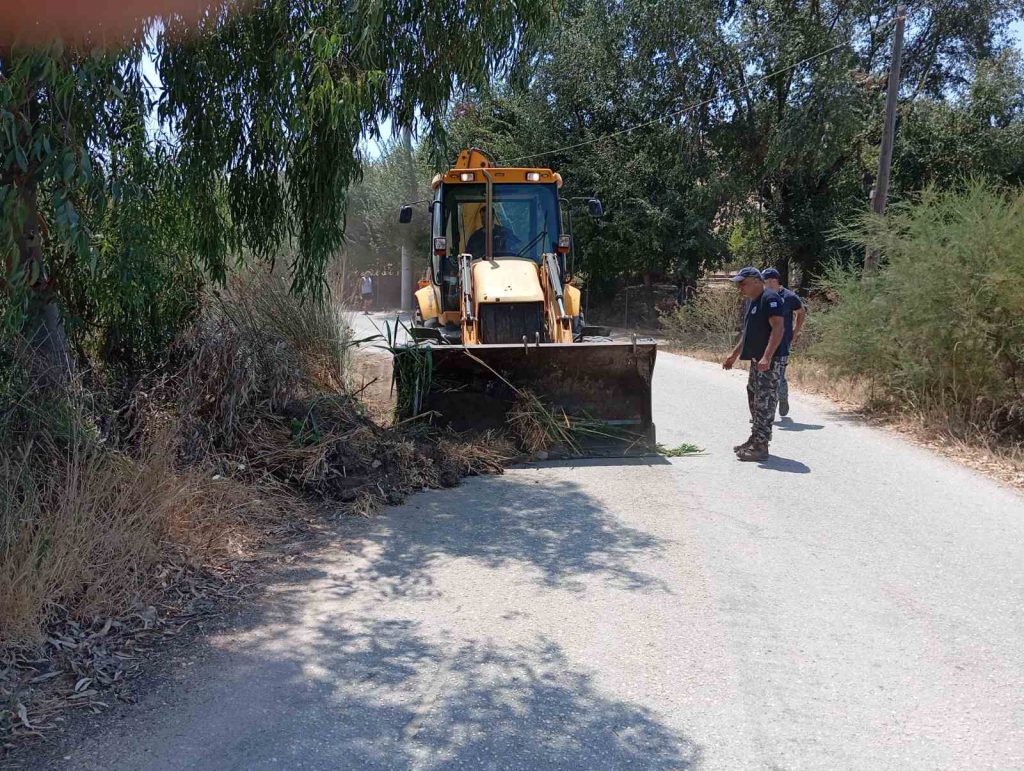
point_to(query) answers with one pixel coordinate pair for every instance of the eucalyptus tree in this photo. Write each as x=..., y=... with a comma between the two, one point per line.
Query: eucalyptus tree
x=372, y=241
x=262, y=113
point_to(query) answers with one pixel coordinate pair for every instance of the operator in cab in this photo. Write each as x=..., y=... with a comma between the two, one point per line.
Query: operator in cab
x=506, y=243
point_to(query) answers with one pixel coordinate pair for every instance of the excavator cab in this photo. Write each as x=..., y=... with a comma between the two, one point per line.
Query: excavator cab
x=501, y=315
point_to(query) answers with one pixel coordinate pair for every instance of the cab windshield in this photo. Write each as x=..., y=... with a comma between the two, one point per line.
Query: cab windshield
x=525, y=220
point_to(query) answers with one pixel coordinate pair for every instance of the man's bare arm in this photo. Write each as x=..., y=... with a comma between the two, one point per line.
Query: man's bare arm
x=778, y=330
x=731, y=358
x=799, y=317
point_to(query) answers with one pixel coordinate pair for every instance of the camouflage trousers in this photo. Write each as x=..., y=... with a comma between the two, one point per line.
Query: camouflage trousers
x=763, y=398
x=783, y=383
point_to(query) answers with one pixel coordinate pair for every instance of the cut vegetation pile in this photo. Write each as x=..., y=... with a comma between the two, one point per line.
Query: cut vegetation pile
x=122, y=518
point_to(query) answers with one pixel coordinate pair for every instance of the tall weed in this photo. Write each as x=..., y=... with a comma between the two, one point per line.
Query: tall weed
x=255, y=348
x=318, y=333
x=710, y=321
x=85, y=524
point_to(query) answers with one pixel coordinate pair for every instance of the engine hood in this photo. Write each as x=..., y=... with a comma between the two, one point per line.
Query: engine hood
x=506, y=280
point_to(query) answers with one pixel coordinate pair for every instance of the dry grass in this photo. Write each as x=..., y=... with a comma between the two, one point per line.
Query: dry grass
x=99, y=545
x=83, y=525
x=708, y=321
x=78, y=524
x=537, y=428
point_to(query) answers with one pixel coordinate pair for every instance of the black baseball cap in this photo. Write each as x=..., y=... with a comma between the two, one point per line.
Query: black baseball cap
x=747, y=272
x=771, y=273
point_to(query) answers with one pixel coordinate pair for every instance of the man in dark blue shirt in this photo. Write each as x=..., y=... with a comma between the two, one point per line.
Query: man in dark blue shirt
x=763, y=331
x=794, y=323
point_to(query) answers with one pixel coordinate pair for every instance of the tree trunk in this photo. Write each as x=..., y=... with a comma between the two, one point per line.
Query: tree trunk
x=43, y=328
x=783, y=268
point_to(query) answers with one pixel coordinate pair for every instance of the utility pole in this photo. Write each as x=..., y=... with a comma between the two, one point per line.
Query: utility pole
x=406, y=279
x=406, y=273
x=880, y=192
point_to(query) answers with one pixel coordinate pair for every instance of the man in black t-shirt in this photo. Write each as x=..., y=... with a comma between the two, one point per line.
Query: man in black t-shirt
x=794, y=322
x=763, y=332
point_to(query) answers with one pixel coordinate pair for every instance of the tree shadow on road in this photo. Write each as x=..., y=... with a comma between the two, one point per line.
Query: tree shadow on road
x=554, y=528
x=361, y=693
x=308, y=678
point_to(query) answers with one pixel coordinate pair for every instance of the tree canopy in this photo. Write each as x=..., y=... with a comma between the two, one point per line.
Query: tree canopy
x=770, y=156
x=261, y=116
x=712, y=131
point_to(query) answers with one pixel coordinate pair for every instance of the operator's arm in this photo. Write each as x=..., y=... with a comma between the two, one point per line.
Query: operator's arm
x=476, y=245
x=778, y=330
x=512, y=242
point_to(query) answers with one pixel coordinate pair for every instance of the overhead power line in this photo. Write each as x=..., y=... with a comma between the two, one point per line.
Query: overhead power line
x=691, y=107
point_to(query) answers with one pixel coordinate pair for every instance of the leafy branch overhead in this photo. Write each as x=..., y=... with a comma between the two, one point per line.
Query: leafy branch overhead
x=260, y=117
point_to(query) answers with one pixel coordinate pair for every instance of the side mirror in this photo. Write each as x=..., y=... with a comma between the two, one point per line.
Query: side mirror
x=405, y=215
x=595, y=208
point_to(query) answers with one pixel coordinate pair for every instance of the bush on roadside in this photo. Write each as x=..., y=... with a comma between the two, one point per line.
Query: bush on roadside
x=708, y=321
x=249, y=417
x=96, y=492
x=938, y=330
x=84, y=525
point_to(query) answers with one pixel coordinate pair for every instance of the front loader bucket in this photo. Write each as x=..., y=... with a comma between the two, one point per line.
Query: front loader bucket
x=606, y=386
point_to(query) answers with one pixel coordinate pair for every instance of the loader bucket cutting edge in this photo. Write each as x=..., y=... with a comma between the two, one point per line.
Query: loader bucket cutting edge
x=471, y=387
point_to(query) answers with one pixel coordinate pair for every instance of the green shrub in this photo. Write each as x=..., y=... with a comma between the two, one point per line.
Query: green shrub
x=710, y=320
x=940, y=328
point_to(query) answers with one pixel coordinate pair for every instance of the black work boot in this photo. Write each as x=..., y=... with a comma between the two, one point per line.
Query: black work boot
x=756, y=451
x=745, y=445
x=783, y=407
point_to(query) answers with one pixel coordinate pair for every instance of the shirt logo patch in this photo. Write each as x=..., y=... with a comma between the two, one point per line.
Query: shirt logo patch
x=773, y=305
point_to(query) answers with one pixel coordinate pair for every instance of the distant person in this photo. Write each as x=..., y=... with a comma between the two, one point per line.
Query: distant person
x=794, y=317
x=366, y=292
x=505, y=241
x=763, y=330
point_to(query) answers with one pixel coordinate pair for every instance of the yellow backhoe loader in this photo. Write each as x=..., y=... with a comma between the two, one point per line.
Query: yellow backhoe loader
x=500, y=315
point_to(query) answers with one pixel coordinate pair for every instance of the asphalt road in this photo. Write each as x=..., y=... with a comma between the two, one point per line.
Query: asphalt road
x=854, y=602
